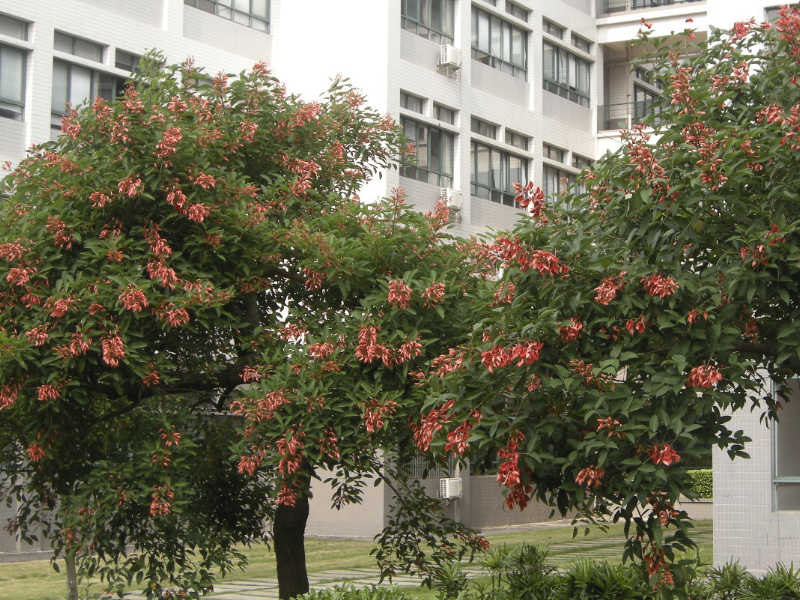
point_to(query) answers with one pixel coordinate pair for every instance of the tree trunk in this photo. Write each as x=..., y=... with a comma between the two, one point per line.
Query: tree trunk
x=288, y=531
x=72, y=576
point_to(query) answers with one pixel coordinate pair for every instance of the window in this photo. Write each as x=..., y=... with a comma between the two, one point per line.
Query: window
x=432, y=19
x=251, y=13
x=580, y=163
x=556, y=181
x=74, y=85
x=494, y=173
x=553, y=153
x=78, y=47
x=499, y=44
x=412, y=102
x=517, y=11
x=12, y=82
x=643, y=102
x=553, y=29
x=13, y=27
x=127, y=61
x=517, y=140
x=435, y=149
x=483, y=128
x=444, y=114
x=786, y=453
x=581, y=44
x=566, y=74
x=771, y=13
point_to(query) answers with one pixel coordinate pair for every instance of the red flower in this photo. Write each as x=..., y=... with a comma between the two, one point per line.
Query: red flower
x=590, y=477
x=658, y=285
x=399, y=294
x=113, y=350
x=133, y=299
x=571, y=332
x=130, y=186
x=704, y=376
x=48, y=392
x=663, y=454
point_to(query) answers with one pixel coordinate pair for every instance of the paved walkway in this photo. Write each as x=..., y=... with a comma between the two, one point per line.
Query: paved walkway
x=267, y=589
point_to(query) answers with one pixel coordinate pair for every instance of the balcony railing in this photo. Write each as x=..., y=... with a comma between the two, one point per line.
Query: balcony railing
x=615, y=6
x=612, y=117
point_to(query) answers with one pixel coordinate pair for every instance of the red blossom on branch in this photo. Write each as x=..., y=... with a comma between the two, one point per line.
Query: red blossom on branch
x=399, y=294
x=663, y=454
x=658, y=285
x=570, y=333
x=704, y=376
x=608, y=288
x=590, y=477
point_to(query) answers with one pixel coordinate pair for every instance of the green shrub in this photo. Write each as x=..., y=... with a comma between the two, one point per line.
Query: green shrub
x=349, y=592
x=702, y=482
x=592, y=580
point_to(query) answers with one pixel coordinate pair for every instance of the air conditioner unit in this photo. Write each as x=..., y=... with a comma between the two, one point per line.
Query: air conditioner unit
x=450, y=488
x=450, y=57
x=451, y=197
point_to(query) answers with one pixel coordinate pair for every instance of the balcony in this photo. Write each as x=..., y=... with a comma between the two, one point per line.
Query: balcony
x=615, y=6
x=613, y=117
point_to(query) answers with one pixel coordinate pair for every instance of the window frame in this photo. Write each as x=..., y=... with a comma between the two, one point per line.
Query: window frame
x=440, y=110
x=412, y=19
x=565, y=63
x=581, y=44
x=136, y=59
x=501, y=192
x=440, y=152
x=95, y=84
x=551, y=28
x=560, y=173
x=485, y=37
x=484, y=128
x=517, y=11
x=75, y=43
x=228, y=9
x=8, y=104
x=517, y=140
x=406, y=100
x=778, y=479
x=25, y=25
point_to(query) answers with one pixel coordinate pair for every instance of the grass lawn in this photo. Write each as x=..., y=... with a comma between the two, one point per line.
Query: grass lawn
x=36, y=580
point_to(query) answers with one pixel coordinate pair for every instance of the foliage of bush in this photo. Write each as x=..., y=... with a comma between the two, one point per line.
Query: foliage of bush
x=349, y=592
x=524, y=574
x=702, y=482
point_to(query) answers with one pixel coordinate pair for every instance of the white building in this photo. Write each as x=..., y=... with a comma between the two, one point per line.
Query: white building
x=490, y=91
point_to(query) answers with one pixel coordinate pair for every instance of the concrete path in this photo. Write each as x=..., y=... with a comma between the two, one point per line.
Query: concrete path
x=267, y=589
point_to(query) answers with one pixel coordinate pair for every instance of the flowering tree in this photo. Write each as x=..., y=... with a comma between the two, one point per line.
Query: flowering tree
x=196, y=314
x=628, y=318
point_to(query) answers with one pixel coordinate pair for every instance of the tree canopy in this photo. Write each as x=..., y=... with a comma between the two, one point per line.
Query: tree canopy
x=197, y=314
x=629, y=319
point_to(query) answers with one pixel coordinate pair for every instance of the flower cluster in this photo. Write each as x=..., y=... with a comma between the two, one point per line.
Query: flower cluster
x=399, y=294
x=374, y=413
x=530, y=198
x=509, y=475
x=571, y=331
x=608, y=288
x=433, y=294
x=430, y=424
x=113, y=350
x=499, y=357
x=590, y=477
x=658, y=285
x=161, y=505
x=663, y=454
x=704, y=376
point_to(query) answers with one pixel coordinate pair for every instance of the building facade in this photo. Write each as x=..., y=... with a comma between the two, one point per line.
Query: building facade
x=489, y=92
